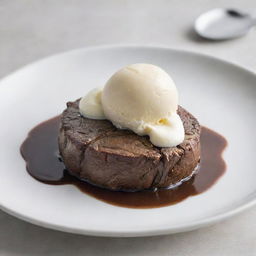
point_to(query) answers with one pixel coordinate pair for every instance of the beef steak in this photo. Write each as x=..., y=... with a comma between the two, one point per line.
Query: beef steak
x=98, y=152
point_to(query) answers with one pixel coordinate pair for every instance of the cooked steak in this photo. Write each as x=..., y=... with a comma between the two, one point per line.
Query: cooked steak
x=98, y=152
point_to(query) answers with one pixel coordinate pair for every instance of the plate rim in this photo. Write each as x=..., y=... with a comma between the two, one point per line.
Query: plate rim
x=144, y=232
x=128, y=46
x=128, y=233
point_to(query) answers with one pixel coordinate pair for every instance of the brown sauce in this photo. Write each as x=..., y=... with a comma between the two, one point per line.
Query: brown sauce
x=40, y=151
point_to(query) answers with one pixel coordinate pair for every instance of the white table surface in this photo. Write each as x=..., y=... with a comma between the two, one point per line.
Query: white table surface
x=30, y=30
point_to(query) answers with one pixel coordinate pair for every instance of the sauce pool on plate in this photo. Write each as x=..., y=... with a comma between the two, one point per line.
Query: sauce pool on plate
x=40, y=151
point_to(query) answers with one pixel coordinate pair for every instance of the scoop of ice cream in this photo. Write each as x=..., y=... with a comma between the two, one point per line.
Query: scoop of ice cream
x=143, y=98
x=90, y=105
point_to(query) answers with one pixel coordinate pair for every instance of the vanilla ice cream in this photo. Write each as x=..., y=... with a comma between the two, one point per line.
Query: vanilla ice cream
x=90, y=105
x=140, y=97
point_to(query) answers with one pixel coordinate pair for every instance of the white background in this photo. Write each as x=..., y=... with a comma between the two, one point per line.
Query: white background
x=30, y=30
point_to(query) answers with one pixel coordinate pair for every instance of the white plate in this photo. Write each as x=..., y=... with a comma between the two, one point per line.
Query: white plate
x=220, y=94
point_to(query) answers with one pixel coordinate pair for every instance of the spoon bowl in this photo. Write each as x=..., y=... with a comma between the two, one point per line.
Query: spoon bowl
x=223, y=24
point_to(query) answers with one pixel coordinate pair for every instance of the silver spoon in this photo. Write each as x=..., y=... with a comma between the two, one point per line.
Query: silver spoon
x=222, y=24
